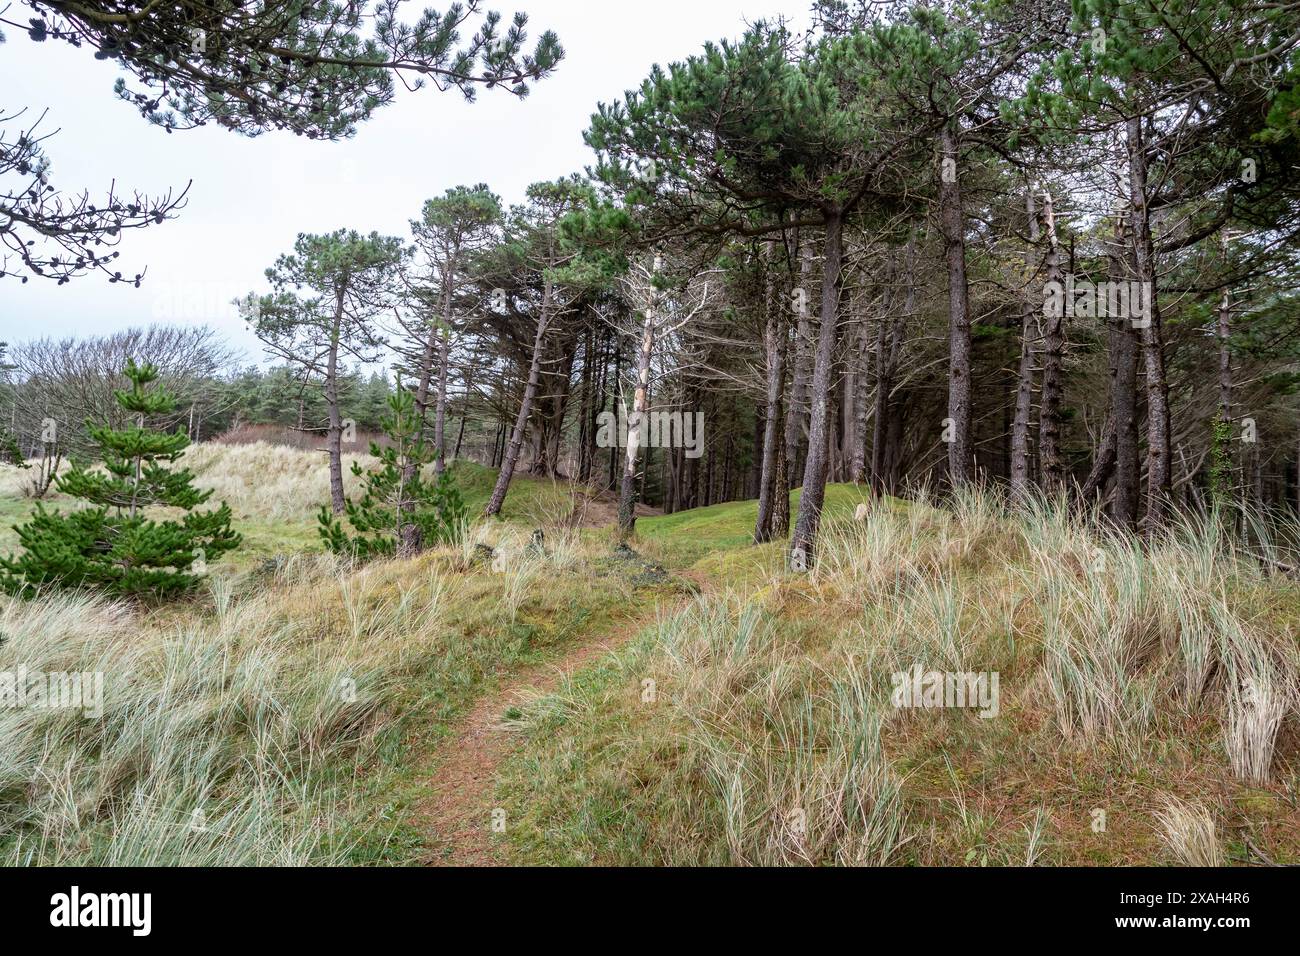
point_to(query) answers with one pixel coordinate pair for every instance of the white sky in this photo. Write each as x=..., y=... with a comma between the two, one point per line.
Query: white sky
x=251, y=197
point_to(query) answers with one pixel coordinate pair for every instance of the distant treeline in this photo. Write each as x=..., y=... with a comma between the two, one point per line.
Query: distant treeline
x=71, y=380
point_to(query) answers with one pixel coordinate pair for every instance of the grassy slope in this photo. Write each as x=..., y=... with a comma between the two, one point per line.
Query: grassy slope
x=421, y=639
x=273, y=508
x=688, y=536
x=763, y=715
x=768, y=707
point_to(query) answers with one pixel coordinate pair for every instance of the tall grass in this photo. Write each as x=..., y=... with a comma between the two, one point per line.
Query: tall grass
x=266, y=480
x=217, y=733
x=244, y=726
x=773, y=739
x=1172, y=624
x=771, y=765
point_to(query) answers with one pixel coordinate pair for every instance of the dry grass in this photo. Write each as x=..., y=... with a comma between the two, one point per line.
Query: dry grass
x=773, y=740
x=217, y=728
x=266, y=480
x=1189, y=833
x=754, y=727
x=236, y=728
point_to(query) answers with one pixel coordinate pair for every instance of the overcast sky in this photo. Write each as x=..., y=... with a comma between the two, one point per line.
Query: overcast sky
x=251, y=197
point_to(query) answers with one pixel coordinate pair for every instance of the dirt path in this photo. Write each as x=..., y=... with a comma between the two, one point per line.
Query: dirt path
x=458, y=812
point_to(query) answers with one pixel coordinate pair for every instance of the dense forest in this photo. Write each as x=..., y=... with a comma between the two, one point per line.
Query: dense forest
x=1044, y=245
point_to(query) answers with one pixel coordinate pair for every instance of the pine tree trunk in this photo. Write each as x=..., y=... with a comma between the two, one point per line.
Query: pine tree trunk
x=842, y=449
x=1051, y=465
x=584, y=409
x=444, y=360
x=774, y=347
x=1030, y=308
x=511, y=457
x=883, y=409
x=460, y=434
x=637, y=423
x=1257, y=475
x=952, y=222
x=796, y=410
x=861, y=393
x=440, y=412
x=803, y=543
x=781, y=497
x=1103, y=465
x=1223, y=333
x=884, y=386
x=1157, y=385
x=889, y=341
x=617, y=393
x=334, y=439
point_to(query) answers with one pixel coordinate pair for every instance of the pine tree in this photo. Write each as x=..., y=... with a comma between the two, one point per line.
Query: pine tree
x=450, y=228
x=112, y=545
x=396, y=497
x=10, y=452
x=328, y=293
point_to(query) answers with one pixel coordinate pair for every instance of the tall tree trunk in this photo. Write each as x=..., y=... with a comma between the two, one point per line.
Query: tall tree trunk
x=691, y=467
x=796, y=410
x=1223, y=332
x=1103, y=465
x=804, y=540
x=460, y=434
x=439, y=346
x=584, y=408
x=1124, y=347
x=511, y=458
x=1030, y=309
x=638, y=420
x=894, y=447
x=781, y=497
x=848, y=403
x=953, y=225
x=617, y=404
x=774, y=347
x=860, y=394
x=440, y=412
x=334, y=440
x=1157, y=386
x=1051, y=465
x=861, y=398
x=1257, y=475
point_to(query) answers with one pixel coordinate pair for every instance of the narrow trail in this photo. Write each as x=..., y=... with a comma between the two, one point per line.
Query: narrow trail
x=457, y=814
